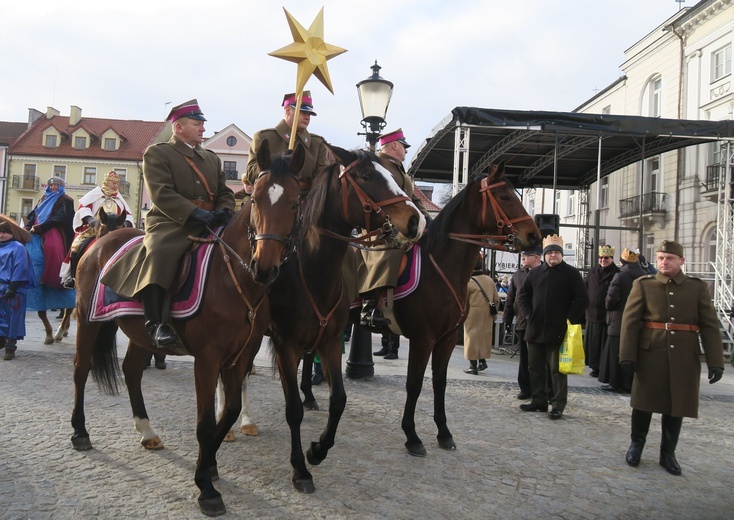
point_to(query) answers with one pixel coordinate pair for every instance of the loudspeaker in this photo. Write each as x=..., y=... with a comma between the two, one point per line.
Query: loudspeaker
x=548, y=223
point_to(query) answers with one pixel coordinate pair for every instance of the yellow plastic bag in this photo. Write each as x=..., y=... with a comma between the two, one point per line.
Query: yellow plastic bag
x=571, y=358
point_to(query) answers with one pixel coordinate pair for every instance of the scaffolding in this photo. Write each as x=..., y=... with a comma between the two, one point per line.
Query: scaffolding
x=723, y=266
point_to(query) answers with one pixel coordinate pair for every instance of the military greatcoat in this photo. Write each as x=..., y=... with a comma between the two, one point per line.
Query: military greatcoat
x=668, y=361
x=173, y=186
x=318, y=154
x=377, y=269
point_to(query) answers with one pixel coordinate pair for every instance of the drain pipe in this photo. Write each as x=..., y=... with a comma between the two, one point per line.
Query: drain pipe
x=681, y=152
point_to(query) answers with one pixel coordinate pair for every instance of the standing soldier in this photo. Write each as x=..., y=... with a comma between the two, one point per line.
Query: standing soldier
x=664, y=317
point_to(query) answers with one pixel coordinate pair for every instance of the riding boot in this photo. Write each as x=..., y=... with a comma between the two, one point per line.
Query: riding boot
x=371, y=315
x=162, y=334
x=393, y=343
x=640, y=427
x=473, y=370
x=668, y=443
x=384, y=350
x=70, y=281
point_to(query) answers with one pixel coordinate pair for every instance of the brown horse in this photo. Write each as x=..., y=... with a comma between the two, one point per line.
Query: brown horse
x=308, y=302
x=223, y=337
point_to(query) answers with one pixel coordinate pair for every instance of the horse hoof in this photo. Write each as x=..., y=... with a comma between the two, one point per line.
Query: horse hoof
x=447, y=444
x=311, y=405
x=304, y=485
x=416, y=450
x=81, y=443
x=212, y=506
x=311, y=457
x=49, y=340
x=153, y=444
x=229, y=437
x=250, y=429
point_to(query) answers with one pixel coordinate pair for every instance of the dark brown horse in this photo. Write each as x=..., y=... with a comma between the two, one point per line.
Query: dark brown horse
x=308, y=301
x=223, y=337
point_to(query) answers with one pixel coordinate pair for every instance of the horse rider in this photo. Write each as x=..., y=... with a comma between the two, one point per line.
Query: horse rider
x=379, y=270
x=107, y=198
x=189, y=192
x=318, y=154
x=51, y=219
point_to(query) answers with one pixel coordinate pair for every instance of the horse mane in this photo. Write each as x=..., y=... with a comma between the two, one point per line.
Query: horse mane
x=438, y=234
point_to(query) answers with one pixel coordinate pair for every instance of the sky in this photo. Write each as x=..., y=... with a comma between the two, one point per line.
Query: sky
x=136, y=59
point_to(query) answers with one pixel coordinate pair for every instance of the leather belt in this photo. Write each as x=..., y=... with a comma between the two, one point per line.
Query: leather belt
x=669, y=326
x=203, y=204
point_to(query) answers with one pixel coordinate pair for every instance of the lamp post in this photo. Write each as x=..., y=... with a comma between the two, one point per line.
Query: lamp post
x=374, y=97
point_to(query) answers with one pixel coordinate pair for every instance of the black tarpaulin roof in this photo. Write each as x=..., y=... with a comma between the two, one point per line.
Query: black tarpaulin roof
x=529, y=140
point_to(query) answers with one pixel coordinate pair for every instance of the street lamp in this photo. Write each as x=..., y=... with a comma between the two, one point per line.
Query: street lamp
x=374, y=97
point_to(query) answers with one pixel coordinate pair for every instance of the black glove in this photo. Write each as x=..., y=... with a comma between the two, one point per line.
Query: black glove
x=91, y=222
x=13, y=289
x=203, y=216
x=629, y=367
x=223, y=216
x=715, y=374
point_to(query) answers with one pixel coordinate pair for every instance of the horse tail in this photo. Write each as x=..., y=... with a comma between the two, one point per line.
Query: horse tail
x=105, y=367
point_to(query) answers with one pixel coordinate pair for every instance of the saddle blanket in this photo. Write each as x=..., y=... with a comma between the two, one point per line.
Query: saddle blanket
x=408, y=279
x=108, y=305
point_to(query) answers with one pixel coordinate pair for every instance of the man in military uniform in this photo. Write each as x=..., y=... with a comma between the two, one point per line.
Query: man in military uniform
x=189, y=192
x=665, y=315
x=317, y=151
x=380, y=269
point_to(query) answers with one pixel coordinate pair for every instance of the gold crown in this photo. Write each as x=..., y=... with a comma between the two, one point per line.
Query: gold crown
x=112, y=176
x=553, y=240
x=629, y=256
x=606, y=250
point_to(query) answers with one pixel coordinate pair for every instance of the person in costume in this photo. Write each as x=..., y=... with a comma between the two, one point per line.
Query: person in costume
x=107, y=198
x=16, y=276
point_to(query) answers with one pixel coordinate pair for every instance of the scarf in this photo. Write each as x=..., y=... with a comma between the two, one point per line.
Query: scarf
x=46, y=204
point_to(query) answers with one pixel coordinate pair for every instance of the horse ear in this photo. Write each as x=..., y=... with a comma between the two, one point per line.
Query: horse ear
x=491, y=173
x=297, y=160
x=263, y=155
x=345, y=157
x=496, y=172
x=102, y=216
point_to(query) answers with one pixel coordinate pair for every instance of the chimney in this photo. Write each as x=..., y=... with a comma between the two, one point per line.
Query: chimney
x=75, y=115
x=33, y=116
x=51, y=112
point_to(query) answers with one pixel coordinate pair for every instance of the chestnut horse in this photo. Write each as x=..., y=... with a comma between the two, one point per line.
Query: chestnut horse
x=309, y=305
x=223, y=337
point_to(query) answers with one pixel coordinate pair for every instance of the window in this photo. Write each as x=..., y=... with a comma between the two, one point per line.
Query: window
x=29, y=171
x=571, y=207
x=60, y=171
x=90, y=175
x=110, y=144
x=653, y=175
x=230, y=170
x=531, y=207
x=656, y=97
x=721, y=63
x=122, y=173
x=26, y=205
x=557, y=203
x=231, y=140
x=50, y=141
x=80, y=143
x=604, y=193
x=650, y=249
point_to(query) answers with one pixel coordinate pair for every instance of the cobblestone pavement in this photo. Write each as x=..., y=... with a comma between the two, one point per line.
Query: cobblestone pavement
x=508, y=464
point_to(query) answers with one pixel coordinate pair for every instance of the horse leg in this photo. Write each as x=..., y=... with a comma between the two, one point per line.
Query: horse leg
x=417, y=362
x=309, y=401
x=82, y=365
x=228, y=403
x=287, y=357
x=219, y=407
x=133, y=366
x=47, y=327
x=63, y=330
x=206, y=373
x=440, y=362
x=331, y=359
x=248, y=426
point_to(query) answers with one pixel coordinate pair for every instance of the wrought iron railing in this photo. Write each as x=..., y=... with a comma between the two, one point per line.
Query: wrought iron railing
x=652, y=202
x=232, y=175
x=25, y=182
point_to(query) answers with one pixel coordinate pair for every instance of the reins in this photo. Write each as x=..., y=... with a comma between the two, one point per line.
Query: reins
x=323, y=320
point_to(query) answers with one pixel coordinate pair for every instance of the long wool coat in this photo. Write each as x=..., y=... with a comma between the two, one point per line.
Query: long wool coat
x=479, y=324
x=668, y=362
x=172, y=184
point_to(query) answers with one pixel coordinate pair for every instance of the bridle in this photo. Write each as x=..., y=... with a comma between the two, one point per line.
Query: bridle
x=501, y=241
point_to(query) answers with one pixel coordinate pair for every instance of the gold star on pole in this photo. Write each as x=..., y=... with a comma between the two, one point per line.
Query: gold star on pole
x=310, y=52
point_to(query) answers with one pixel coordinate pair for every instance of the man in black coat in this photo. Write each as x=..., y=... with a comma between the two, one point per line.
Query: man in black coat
x=597, y=285
x=551, y=294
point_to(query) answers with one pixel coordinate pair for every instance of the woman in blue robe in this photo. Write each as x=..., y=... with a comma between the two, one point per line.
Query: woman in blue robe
x=16, y=277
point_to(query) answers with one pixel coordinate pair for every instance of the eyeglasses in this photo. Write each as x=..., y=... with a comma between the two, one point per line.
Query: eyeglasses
x=605, y=258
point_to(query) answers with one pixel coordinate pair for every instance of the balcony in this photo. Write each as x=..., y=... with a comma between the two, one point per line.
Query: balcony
x=651, y=205
x=25, y=183
x=710, y=185
x=232, y=175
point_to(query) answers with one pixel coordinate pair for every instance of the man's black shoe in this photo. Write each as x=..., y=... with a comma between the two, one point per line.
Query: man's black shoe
x=530, y=407
x=371, y=316
x=609, y=388
x=555, y=414
x=471, y=370
x=594, y=373
x=523, y=396
x=482, y=366
x=382, y=352
x=391, y=355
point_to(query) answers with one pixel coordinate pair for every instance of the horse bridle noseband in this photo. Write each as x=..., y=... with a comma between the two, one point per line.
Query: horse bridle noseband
x=501, y=241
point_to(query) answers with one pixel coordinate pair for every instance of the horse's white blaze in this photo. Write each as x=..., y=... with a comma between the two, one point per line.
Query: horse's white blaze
x=275, y=192
x=143, y=426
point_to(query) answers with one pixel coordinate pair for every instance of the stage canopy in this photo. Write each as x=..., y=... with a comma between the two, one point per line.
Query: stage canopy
x=533, y=143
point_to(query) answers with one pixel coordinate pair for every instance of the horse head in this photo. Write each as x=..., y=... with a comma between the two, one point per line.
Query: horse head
x=502, y=211
x=273, y=210
x=370, y=198
x=109, y=221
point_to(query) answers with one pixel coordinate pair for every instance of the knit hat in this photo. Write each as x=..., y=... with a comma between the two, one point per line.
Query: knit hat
x=606, y=250
x=629, y=256
x=552, y=243
x=670, y=246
